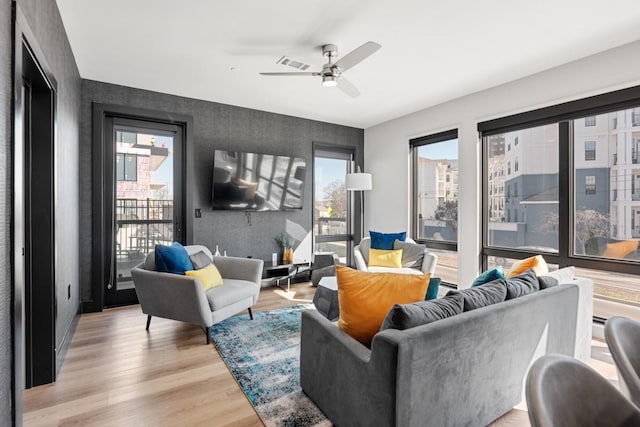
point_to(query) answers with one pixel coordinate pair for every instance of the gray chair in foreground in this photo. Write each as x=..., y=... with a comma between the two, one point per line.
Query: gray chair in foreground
x=623, y=339
x=562, y=391
x=182, y=298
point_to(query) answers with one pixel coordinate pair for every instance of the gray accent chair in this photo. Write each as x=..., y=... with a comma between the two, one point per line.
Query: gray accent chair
x=182, y=298
x=324, y=265
x=361, y=258
x=623, y=339
x=465, y=370
x=562, y=391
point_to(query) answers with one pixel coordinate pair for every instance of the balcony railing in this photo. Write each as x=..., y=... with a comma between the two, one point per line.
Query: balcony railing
x=140, y=225
x=634, y=157
x=635, y=195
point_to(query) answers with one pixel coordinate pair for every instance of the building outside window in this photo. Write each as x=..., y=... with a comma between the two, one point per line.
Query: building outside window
x=126, y=167
x=589, y=150
x=590, y=121
x=590, y=184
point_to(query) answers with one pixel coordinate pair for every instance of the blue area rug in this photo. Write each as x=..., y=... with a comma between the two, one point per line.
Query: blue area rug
x=264, y=357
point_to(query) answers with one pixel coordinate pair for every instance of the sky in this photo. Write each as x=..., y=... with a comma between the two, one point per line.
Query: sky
x=440, y=150
x=326, y=171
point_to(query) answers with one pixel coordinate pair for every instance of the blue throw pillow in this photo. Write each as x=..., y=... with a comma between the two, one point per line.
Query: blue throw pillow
x=489, y=276
x=432, y=290
x=385, y=240
x=173, y=259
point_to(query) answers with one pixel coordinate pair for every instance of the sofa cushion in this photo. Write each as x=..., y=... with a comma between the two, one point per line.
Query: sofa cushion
x=482, y=296
x=230, y=292
x=208, y=276
x=562, y=275
x=385, y=240
x=365, y=298
x=200, y=260
x=538, y=264
x=521, y=285
x=489, y=276
x=432, y=290
x=172, y=259
x=545, y=282
x=405, y=316
x=412, y=253
x=384, y=258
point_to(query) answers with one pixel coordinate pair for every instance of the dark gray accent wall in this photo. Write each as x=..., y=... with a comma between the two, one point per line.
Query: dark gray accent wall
x=46, y=24
x=6, y=348
x=226, y=127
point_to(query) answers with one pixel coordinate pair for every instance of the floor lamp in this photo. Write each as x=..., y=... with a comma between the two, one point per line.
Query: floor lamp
x=361, y=182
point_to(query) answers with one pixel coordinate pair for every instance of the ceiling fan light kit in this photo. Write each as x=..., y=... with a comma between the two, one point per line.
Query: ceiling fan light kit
x=332, y=71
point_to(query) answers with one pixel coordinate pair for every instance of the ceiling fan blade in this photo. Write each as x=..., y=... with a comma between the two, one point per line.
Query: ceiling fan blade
x=357, y=55
x=347, y=87
x=301, y=73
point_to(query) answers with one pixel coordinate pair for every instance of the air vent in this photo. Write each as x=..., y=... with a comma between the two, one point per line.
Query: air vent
x=290, y=62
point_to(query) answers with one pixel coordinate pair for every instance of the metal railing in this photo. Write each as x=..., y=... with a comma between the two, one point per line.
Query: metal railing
x=140, y=225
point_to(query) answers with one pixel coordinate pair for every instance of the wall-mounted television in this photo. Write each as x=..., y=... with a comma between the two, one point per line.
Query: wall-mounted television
x=257, y=182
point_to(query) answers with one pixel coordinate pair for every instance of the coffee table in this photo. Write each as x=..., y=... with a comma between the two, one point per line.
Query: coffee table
x=326, y=298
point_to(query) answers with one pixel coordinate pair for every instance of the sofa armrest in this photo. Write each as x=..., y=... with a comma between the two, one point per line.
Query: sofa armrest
x=335, y=368
x=359, y=259
x=248, y=269
x=171, y=296
x=429, y=263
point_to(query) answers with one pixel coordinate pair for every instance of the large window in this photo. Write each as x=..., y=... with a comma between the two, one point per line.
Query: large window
x=567, y=203
x=434, y=211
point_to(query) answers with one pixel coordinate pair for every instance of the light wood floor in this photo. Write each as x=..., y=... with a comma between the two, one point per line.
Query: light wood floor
x=117, y=374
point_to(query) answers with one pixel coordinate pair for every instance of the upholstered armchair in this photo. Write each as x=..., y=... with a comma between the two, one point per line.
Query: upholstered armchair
x=361, y=257
x=182, y=298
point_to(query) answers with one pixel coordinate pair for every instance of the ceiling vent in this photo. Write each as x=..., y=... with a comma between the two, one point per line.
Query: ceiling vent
x=290, y=62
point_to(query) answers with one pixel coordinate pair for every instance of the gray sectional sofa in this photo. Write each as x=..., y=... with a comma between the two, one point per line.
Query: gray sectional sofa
x=465, y=370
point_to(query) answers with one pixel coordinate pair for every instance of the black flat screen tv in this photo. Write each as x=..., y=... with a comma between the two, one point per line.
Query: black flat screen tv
x=257, y=182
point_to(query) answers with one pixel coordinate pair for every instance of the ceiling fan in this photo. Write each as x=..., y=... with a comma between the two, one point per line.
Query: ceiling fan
x=332, y=71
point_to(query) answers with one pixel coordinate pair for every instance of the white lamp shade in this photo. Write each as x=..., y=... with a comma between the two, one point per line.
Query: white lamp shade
x=358, y=181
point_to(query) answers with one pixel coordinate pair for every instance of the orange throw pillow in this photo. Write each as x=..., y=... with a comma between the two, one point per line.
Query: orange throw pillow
x=366, y=298
x=538, y=264
x=620, y=249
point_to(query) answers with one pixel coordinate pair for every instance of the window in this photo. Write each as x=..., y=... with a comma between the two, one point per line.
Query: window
x=602, y=213
x=590, y=184
x=434, y=202
x=589, y=150
x=515, y=167
x=515, y=190
x=515, y=141
x=508, y=168
x=126, y=167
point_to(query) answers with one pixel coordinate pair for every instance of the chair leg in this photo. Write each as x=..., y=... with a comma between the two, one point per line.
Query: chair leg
x=250, y=313
x=206, y=331
x=148, y=321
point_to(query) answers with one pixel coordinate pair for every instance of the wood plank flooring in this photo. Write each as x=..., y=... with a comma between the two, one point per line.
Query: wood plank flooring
x=118, y=374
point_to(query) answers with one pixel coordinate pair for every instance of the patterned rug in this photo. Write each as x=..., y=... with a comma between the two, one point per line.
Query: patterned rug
x=264, y=357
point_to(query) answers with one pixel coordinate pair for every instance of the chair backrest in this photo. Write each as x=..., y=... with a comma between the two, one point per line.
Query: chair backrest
x=150, y=260
x=562, y=391
x=623, y=339
x=365, y=245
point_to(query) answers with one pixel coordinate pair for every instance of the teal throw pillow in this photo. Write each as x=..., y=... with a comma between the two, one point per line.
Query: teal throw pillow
x=172, y=259
x=385, y=240
x=432, y=290
x=489, y=276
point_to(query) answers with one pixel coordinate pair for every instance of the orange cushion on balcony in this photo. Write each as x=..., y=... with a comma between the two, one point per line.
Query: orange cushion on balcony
x=366, y=298
x=620, y=249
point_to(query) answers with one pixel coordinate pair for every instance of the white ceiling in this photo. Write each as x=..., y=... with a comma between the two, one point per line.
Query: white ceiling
x=432, y=50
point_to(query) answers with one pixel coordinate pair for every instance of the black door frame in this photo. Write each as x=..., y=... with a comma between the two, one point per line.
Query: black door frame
x=34, y=313
x=103, y=179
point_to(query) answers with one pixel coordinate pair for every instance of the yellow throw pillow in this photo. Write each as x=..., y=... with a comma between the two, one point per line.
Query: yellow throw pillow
x=538, y=264
x=366, y=298
x=385, y=258
x=620, y=249
x=209, y=276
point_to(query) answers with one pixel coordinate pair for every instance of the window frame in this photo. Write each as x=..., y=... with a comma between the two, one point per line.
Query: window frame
x=590, y=154
x=564, y=114
x=590, y=187
x=414, y=144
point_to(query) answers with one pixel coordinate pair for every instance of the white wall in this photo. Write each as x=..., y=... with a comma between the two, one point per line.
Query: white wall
x=387, y=144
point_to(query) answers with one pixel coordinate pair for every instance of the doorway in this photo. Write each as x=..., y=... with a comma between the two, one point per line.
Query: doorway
x=140, y=164
x=147, y=183
x=333, y=211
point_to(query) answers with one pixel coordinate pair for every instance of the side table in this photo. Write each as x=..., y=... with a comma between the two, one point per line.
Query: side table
x=326, y=298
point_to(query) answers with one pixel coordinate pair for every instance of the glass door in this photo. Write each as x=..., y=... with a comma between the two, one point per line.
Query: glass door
x=146, y=199
x=332, y=219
